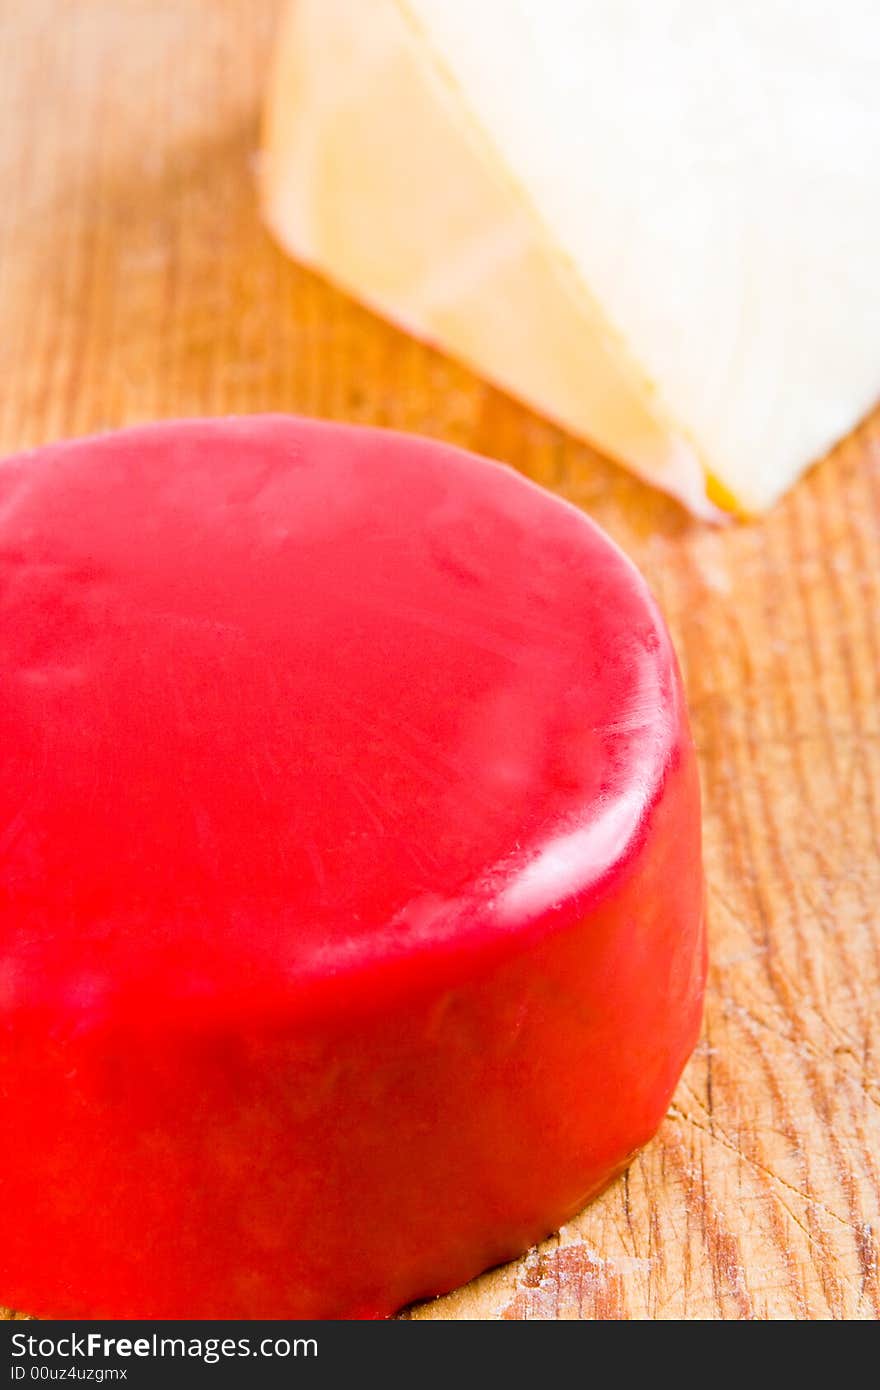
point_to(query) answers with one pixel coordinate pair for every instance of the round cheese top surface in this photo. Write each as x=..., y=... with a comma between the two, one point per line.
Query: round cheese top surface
x=285, y=706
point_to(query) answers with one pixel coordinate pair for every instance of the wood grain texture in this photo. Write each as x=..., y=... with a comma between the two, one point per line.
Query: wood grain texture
x=136, y=282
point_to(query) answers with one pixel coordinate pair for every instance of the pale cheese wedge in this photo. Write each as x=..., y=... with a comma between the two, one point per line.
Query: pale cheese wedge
x=656, y=222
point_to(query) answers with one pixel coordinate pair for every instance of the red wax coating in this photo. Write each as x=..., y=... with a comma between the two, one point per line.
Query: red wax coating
x=351, y=917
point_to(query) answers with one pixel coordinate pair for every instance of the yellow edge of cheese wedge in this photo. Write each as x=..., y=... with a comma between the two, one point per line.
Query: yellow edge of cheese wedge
x=359, y=126
x=715, y=363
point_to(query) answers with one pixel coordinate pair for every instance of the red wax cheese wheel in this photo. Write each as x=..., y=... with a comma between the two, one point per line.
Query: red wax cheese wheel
x=351, y=919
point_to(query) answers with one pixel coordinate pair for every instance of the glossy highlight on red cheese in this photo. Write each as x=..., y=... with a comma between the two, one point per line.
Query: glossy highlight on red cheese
x=351, y=920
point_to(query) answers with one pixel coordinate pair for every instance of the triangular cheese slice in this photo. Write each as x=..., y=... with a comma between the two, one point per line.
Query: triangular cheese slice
x=656, y=223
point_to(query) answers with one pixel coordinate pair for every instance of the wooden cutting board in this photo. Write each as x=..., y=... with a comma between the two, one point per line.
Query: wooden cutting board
x=136, y=281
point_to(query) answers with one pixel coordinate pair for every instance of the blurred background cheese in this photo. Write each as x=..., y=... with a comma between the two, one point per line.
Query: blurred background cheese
x=656, y=223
